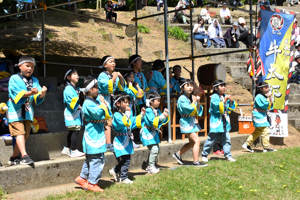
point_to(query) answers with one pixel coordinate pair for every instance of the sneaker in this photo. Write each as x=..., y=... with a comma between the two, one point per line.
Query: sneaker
x=230, y=159
x=199, y=164
x=66, y=151
x=248, y=148
x=218, y=153
x=14, y=160
x=178, y=158
x=135, y=146
x=26, y=160
x=114, y=174
x=204, y=159
x=76, y=153
x=126, y=181
x=81, y=181
x=152, y=170
x=269, y=150
x=222, y=153
x=110, y=147
x=93, y=187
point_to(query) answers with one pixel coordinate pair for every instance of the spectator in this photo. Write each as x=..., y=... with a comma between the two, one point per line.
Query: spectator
x=215, y=34
x=181, y=15
x=225, y=15
x=187, y=3
x=232, y=36
x=206, y=14
x=297, y=46
x=297, y=31
x=264, y=2
x=109, y=8
x=121, y=5
x=296, y=71
x=160, y=4
x=245, y=33
x=200, y=33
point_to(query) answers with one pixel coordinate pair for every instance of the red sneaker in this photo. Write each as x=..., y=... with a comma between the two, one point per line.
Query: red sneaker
x=81, y=181
x=217, y=152
x=94, y=188
x=222, y=153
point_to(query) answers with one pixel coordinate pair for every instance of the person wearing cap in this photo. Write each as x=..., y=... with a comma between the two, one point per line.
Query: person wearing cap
x=109, y=8
x=225, y=15
x=156, y=81
x=245, y=33
x=232, y=36
x=201, y=34
x=215, y=34
x=23, y=90
x=206, y=14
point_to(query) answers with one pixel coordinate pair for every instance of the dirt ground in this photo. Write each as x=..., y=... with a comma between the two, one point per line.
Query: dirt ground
x=60, y=26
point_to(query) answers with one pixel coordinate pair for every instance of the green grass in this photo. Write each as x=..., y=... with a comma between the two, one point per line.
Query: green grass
x=259, y=176
x=2, y=194
x=178, y=33
x=143, y=29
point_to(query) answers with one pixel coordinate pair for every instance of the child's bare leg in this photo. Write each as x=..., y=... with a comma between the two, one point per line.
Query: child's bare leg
x=194, y=137
x=108, y=134
x=20, y=146
x=187, y=146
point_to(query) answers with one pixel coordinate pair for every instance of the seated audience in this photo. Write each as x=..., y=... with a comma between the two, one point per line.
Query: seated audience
x=245, y=33
x=232, y=36
x=200, y=33
x=206, y=14
x=109, y=9
x=225, y=15
x=215, y=34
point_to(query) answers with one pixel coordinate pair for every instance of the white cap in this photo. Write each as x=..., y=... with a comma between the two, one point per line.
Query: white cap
x=242, y=20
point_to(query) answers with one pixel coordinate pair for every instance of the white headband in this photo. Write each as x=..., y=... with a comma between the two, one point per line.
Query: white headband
x=263, y=85
x=25, y=61
x=65, y=77
x=148, y=100
x=89, y=86
x=107, y=59
x=117, y=100
x=221, y=83
x=183, y=84
x=133, y=61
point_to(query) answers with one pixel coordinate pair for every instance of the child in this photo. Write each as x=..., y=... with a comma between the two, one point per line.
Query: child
x=23, y=89
x=189, y=108
x=220, y=107
x=156, y=81
x=176, y=79
x=73, y=116
x=262, y=103
x=123, y=124
x=108, y=82
x=151, y=125
x=93, y=141
x=135, y=62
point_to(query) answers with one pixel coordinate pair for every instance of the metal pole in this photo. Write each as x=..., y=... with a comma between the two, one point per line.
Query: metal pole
x=251, y=43
x=167, y=69
x=43, y=40
x=192, y=40
x=136, y=36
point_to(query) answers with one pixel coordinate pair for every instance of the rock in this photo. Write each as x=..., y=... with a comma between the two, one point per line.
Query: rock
x=91, y=21
x=108, y=37
x=128, y=51
x=101, y=30
x=159, y=54
x=74, y=35
x=93, y=49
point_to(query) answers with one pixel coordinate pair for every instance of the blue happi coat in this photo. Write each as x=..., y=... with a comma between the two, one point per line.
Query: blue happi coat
x=218, y=122
x=123, y=125
x=133, y=93
x=175, y=84
x=188, y=111
x=259, y=114
x=107, y=86
x=151, y=136
x=16, y=90
x=94, y=141
x=143, y=86
x=157, y=83
x=72, y=111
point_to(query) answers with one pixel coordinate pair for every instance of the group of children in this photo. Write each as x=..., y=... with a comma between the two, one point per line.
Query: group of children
x=135, y=102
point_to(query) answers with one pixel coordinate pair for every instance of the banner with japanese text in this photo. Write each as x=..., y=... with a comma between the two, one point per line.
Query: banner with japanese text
x=275, y=43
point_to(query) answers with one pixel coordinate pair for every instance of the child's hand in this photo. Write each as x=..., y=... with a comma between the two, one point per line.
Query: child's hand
x=129, y=83
x=198, y=99
x=102, y=100
x=166, y=112
x=34, y=91
x=120, y=75
x=135, y=84
x=115, y=74
x=127, y=109
x=194, y=98
x=143, y=110
x=44, y=89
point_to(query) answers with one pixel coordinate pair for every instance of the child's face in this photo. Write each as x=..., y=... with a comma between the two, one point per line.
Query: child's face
x=110, y=65
x=130, y=78
x=265, y=89
x=298, y=47
x=138, y=64
x=93, y=92
x=277, y=120
x=123, y=105
x=26, y=69
x=221, y=89
x=188, y=88
x=73, y=78
x=177, y=72
x=155, y=103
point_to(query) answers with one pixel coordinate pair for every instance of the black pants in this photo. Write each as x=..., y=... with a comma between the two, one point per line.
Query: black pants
x=109, y=15
x=72, y=140
x=231, y=44
x=159, y=6
x=245, y=37
x=218, y=146
x=123, y=166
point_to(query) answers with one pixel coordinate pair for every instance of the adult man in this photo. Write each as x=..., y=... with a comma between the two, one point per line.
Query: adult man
x=225, y=15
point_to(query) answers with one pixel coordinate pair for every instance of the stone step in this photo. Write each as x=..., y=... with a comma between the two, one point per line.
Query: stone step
x=244, y=81
x=294, y=98
x=54, y=118
x=237, y=71
x=293, y=110
x=229, y=63
x=199, y=47
x=295, y=123
x=64, y=170
x=236, y=57
x=188, y=27
x=294, y=88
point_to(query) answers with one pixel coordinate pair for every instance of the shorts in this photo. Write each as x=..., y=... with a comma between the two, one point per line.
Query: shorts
x=20, y=128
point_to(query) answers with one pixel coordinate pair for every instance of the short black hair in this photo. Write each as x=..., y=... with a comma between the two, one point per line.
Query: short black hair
x=120, y=97
x=217, y=82
x=131, y=58
x=151, y=95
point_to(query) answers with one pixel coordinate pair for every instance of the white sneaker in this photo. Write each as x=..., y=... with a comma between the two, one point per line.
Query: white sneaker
x=76, y=153
x=135, y=146
x=126, y=181
x=269, y=150
x=230, y=159
x=152, y=170
x=204, y=159
x=114, y=174
x=248, y=148
x=66, y=151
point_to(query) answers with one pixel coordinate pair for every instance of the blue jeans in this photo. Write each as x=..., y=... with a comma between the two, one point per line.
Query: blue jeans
x=201, y=37
x=92, y=167
x=211, y=140
x=123, y=166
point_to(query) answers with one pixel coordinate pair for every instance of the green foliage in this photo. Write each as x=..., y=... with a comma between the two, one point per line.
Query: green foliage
x=178, y=33
x=143, y=29
x=50, y=35
x=2, y=194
